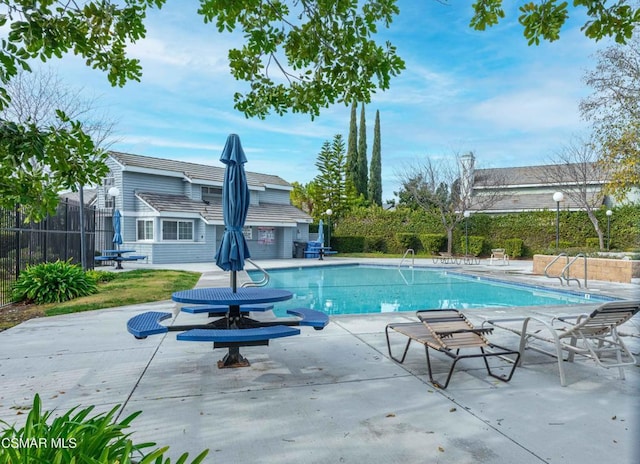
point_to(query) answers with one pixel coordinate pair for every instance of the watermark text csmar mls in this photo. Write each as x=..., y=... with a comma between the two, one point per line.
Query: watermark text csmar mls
x=34, y=442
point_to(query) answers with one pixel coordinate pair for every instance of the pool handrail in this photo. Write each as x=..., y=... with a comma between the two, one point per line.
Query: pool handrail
x=262, y=282
x=565, y=270
x=546, y=269
x=413, y=257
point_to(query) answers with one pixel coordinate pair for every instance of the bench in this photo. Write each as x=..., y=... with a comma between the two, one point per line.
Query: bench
x=226, y=338
x=223, y=309
x=310, y=317
x=129, y=258
x=145, y=324
x=103, y=258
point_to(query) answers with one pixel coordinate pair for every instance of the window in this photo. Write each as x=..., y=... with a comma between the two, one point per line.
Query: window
x=145, y=229
x=211, y=191
x=177, y=230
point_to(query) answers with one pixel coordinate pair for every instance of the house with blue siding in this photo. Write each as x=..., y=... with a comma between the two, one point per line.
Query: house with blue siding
x=171, y=211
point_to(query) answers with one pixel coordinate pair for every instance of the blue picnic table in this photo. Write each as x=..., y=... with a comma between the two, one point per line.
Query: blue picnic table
x=118, y=256
x=235, y=328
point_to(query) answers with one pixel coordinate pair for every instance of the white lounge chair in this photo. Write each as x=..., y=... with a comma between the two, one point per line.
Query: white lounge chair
x=499, y=255
x=592, y=335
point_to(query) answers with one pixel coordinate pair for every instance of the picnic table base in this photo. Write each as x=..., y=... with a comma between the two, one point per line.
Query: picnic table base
x=233, y=359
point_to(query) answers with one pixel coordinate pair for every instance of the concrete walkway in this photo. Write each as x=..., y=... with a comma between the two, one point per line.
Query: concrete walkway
x=326, y=397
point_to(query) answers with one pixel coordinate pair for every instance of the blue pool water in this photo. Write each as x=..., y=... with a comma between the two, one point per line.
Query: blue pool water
x=373, y=289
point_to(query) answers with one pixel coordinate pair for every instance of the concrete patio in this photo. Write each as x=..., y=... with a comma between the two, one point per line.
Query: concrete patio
x=329, y=396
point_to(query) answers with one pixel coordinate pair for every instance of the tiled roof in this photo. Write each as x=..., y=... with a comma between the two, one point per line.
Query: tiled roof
x=534, y=202
x=212, y=211
x=193, y=170
x=88, y=193
x=526, y=175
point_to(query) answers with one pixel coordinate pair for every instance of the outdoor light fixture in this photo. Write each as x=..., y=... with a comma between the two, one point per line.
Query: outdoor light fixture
x=466, y=215
x=558, y=197
x=329, y=212
x=609, y=213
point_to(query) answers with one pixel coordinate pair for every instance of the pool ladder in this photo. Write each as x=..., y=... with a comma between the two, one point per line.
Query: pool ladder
x=413, y=258
x=564, y=274
x=262, y=282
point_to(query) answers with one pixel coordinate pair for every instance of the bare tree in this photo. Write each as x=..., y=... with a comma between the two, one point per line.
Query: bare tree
x=445, y=187
x=38, y=99
x=614, y=110
x=583, y=178
x=37, y=96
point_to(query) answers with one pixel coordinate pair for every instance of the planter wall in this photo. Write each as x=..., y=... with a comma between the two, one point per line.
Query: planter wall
x=610, y=270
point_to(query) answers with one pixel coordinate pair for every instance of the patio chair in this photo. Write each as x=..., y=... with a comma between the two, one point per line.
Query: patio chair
x=449, y=331
x=499, y=254
x=592, y=335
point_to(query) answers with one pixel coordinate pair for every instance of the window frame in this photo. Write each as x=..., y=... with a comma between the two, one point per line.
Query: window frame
x=145, y=239
x=178, y=238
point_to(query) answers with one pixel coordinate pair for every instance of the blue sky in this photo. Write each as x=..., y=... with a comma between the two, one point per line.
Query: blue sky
x=486, y=92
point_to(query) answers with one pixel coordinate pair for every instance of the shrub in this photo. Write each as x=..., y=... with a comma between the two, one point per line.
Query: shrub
x=375, y=244
x=101, y=276
x=593, y=242
x=562, y=245
x=514, y=247
x=53, y=283
x=76, y=437
x=409, y=240
x=345, y=244
x=432, y=243
x=476, y=245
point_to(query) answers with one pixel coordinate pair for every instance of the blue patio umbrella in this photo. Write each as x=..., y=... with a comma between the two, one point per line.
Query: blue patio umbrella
x=233, y=249
x=117, y=234
x=321, y=232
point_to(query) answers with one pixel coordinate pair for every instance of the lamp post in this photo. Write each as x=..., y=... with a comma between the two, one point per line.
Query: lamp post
x=558, y=197
x=466, y=215
x=609, y=213
x=113, y=192
x=329, y=212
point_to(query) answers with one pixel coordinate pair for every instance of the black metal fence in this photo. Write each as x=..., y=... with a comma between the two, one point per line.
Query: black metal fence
x=57, y=237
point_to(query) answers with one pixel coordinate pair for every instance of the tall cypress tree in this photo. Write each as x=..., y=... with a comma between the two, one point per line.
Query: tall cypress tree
x=352, y=150
x=363, y=171
x=375, y=174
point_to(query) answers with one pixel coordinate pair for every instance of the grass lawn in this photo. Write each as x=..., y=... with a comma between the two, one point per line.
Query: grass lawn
x=132, y=287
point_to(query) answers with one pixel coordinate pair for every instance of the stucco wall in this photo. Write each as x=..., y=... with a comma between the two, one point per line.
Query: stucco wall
x=610, y=270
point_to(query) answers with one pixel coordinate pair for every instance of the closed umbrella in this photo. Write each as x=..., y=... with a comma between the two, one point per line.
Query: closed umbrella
x=321, y=232
x=117, y=234
x=233, y=249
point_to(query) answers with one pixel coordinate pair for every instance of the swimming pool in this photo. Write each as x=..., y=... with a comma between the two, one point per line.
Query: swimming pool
x=358, y=289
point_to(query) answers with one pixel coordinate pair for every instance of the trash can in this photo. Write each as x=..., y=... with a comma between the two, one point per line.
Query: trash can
x=298, y=249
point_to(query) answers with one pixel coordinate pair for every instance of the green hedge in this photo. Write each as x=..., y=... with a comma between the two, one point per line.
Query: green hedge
x=514, y=247
x=536, y=229
x=409, y=240
x=476, y=245
x=375, y=244
x=348, y=244
x=594, y=242
x=433, y=243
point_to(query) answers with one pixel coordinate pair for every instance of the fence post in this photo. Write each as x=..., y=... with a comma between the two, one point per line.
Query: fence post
x=19, y=245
